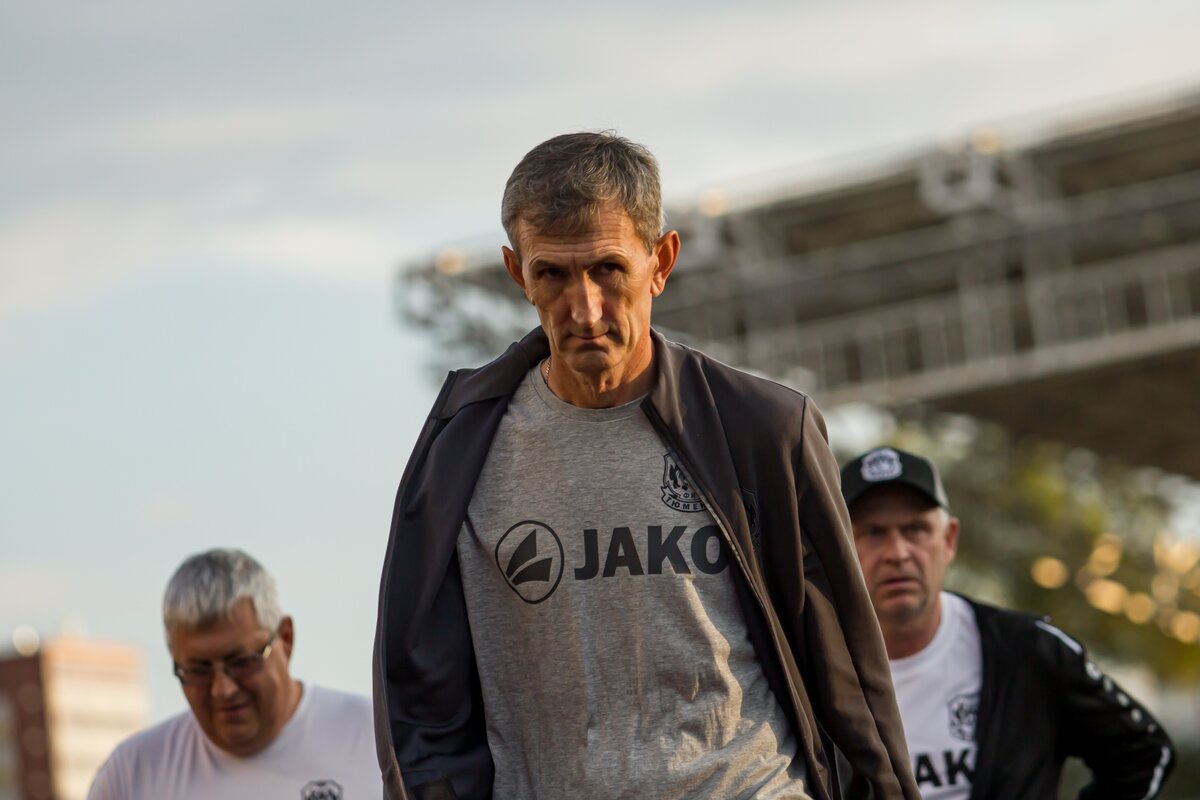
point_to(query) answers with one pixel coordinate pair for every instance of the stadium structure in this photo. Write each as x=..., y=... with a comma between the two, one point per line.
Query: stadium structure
x=1045, y=281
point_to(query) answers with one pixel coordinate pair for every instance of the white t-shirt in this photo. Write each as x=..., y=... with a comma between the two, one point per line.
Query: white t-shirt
x=938, y=693
x=326, y=751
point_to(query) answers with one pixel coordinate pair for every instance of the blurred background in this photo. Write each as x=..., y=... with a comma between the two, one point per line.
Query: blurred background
x=240, y=244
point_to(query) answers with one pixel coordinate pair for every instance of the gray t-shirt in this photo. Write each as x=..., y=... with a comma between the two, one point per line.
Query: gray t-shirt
x=613, y=655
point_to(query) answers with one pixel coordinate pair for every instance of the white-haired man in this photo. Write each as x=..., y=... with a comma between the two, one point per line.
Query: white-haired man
x=253, y=730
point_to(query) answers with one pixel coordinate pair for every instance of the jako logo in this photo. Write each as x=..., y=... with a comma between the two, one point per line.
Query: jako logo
x=530, y=556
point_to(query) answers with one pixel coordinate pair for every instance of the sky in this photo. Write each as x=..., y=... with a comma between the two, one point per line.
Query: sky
x=203, y=207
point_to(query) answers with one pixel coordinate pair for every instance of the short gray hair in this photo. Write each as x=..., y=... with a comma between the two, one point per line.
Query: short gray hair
x=208, y=585
x=560, y=185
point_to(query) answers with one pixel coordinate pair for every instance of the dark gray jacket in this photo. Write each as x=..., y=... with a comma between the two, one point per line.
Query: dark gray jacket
x=758, y=454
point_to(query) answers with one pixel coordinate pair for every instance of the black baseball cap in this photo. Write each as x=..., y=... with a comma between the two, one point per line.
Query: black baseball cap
x=885, y=465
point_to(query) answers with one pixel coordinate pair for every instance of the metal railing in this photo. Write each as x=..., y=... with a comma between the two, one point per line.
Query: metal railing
x=987, y=333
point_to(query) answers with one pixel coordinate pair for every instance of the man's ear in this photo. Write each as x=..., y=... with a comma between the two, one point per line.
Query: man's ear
x=287, y=636
x=512, y=263
x=666, y=251
x=951, y=538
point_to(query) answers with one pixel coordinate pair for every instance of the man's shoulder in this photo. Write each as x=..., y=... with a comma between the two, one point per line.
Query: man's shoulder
x=494, y=380
x=336, y=732
x=1014, y=628
x=150, y=745
x=143, y=764
x=337, y=700
x=734, y=386
x=996, y=615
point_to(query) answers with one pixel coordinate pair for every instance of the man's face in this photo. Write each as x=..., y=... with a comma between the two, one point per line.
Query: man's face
x=904, y=542
x=244, y=716
x=593, y=291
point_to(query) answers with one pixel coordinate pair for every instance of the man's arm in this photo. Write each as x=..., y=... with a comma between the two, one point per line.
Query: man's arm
x=429, y=729
x=1126, y=749
x=843, y=658
x=429, y=735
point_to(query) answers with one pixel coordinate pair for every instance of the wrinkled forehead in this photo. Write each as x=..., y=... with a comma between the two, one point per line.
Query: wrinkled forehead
x=612, y=230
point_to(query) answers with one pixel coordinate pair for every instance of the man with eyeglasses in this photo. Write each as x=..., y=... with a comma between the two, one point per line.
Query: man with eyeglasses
x=253, y=731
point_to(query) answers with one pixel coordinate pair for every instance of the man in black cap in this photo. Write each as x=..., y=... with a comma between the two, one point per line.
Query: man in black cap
x=993, y=701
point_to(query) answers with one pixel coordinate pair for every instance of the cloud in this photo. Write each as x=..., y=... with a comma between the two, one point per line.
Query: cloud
x=166, y=511
x=338, y=150
x=64, y=251
x=43, y=594
x=180, y=132
x=117, y=20
x=340, y=249
x=68, y=251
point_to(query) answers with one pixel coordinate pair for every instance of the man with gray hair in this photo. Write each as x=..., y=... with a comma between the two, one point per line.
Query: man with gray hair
x=253, y=730
x=618, y=568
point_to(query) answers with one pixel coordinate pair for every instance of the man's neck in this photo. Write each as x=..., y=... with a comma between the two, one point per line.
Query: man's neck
x=907, y=638
x=294, y=692
x=603, y=390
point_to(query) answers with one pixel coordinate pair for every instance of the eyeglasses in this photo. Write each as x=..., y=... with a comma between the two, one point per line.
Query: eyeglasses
x=237, y=668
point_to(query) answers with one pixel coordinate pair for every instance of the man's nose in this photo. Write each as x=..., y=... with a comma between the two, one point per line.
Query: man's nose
x=222, y=684
x=895, y=547
x=586, y=302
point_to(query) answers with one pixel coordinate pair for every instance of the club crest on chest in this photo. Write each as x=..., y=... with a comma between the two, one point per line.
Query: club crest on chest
x=963, y=710
x=321, y=790
x=677, y=491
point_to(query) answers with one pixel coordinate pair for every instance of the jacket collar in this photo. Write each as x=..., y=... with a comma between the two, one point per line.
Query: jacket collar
x=496, y=379
x=680, y=401
x=501, y=377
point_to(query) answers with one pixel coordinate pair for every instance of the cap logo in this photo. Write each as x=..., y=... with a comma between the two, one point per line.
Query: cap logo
x=881, y=465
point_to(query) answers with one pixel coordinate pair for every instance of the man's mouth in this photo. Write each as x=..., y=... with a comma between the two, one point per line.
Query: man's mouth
x=893, y=583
